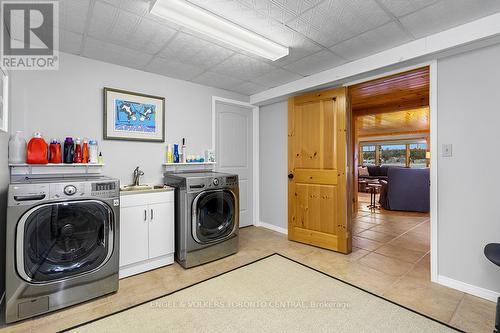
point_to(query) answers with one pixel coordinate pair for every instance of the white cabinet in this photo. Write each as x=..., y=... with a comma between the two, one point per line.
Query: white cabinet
x=134, y=234
x=159, y=214
x=146, y=231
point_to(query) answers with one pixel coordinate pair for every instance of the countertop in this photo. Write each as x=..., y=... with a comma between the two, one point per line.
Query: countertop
x=153, y=190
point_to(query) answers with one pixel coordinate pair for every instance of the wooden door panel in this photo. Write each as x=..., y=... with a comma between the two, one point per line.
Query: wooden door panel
x=316, y=176
x=315, y=137
x=317, y=168
x=316, y=204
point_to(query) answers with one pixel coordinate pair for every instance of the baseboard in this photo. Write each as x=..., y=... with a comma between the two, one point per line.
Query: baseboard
x=468, y=288
x=146, y=265
x=272, y=227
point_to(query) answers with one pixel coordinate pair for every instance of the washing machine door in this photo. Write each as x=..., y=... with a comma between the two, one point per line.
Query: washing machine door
x=61, y=240
x=214, y=215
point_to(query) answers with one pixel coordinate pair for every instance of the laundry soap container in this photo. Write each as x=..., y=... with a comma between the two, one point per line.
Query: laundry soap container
x=17, y=148
x=37, y=152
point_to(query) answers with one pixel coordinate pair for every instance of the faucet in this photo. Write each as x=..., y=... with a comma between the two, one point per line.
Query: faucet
x=137, y=174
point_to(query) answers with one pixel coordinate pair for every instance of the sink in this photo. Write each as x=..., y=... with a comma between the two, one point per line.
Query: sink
x=131, y=189
x=137, y=188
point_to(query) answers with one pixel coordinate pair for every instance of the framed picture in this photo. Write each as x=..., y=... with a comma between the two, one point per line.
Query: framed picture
x=133, y=116
x=4, y=100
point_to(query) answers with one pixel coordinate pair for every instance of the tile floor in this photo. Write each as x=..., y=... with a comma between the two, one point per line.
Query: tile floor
x=390, y=257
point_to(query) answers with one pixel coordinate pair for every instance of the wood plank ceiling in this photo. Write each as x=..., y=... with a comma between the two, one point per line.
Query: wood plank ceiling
x=408, y=90
x=407, y=122
x=392, y=105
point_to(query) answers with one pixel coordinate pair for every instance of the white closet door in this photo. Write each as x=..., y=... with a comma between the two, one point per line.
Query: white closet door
x=233, y=151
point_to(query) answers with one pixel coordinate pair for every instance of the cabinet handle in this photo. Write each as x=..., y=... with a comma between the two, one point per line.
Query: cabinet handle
x=152, y=215
x=145, y=215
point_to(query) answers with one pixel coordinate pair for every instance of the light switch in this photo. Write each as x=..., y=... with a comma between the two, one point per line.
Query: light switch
x=447, y=150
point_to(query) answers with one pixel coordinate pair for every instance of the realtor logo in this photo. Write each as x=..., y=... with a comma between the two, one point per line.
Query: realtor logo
x=30, y=36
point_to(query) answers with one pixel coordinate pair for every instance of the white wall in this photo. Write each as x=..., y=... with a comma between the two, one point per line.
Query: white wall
x=468, y=185
x=273, y=128
x=69, y=102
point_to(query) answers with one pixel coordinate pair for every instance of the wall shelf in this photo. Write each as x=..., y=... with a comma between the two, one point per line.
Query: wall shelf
x=189, y=166
x=24, y=169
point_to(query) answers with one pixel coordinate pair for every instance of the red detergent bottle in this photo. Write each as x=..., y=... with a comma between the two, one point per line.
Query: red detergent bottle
x=37, y=150
x=78, y=152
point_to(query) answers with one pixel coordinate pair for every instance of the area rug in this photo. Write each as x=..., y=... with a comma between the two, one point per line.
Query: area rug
x=273, y=294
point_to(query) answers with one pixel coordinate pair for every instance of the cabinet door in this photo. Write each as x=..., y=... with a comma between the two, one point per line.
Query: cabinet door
x=161, y=229
x=133, y=234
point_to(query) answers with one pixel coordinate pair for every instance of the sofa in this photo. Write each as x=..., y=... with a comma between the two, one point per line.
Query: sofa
x=375, y=172
x=406, y=189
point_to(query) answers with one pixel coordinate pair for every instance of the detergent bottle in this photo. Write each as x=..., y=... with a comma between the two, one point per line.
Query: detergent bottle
x=37, y=150
x=77, y=158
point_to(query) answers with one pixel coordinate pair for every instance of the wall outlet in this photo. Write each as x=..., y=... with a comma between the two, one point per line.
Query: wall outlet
x=447, y=150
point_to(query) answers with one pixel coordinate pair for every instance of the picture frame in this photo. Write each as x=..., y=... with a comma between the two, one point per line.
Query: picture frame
x=132, y=116
x=4, y=100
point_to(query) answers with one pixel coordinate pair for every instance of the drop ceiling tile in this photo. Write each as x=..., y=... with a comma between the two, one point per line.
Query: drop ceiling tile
x=243, y=67
x=217, y=80
x=248, y=88
x=73, y=15
x=173, y=68
x=127, y=29
x=70, y=42
x=281, y=10
x=150, y=36
x=102, y=20
x=276, y=78
x=447, y=14
x=162, y=21
x=138, y=7
x=333, y=21
x=192, y=50
x=125, y=25
x=183, y=46
x=403, y=7
x=373, y=41
x=115, y=54
x=315, y=63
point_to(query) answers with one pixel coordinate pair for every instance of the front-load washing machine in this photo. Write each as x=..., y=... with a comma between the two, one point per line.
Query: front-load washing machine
x=61, y=243
x=206, y=216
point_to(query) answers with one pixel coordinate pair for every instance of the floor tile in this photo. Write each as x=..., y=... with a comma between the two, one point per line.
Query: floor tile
x=365, y=243
x=407, y=255
x=387, y=265
x=429, y=298
x=376, y=236
x=475, y=315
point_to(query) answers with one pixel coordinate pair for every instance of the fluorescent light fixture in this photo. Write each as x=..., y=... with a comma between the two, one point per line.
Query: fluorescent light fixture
x=193, y=17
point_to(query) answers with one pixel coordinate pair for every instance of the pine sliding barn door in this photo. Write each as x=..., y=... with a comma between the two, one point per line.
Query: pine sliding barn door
x=317, y=162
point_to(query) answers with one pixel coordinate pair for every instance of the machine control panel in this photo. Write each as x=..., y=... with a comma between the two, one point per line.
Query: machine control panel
x=104, y=189
x=70, y=190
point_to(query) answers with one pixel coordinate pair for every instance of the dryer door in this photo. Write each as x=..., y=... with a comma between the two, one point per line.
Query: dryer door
x=214, y=215
x=60, y=240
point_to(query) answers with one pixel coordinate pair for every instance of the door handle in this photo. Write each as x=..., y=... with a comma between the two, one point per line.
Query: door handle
x=152, y=215
x=145, y=215
x=290, y=176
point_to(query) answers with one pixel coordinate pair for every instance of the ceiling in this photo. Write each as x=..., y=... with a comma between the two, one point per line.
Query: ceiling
x=394, y=124
x=400, y=91
x=321, y=34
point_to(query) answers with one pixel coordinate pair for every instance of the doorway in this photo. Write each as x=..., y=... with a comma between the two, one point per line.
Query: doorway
x=391, y=175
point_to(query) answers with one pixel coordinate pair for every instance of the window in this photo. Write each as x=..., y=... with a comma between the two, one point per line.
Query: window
x=368, y=155
x=407, y=154
x=393, y=155
x=417, y=155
